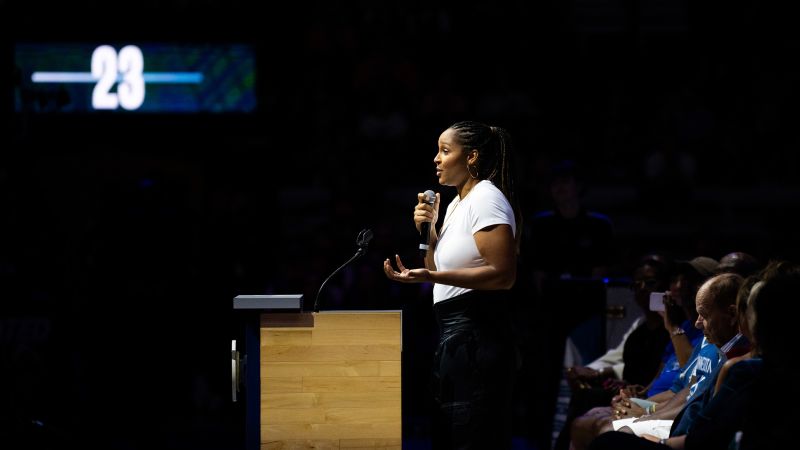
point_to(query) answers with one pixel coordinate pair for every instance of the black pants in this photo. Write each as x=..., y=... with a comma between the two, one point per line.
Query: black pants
x=473, y=372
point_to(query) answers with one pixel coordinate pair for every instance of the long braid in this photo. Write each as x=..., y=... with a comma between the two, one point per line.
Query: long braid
x=495, y=160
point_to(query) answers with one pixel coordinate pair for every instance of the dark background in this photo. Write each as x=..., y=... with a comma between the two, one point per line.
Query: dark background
x=123, y=238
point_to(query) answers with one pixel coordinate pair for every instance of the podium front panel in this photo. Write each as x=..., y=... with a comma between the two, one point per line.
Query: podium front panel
x=332, y=382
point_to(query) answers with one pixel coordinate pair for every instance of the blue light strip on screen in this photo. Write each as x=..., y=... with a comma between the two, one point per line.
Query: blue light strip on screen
x=63, y=77
x=149, y=77
x=173, y=77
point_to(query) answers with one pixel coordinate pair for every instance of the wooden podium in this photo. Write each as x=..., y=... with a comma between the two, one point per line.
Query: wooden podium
x=327, y=380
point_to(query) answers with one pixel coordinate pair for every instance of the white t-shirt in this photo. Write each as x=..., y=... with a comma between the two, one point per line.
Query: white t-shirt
x=483, y=206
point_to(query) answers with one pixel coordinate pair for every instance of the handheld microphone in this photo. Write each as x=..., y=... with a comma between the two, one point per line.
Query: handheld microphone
x=425, y=227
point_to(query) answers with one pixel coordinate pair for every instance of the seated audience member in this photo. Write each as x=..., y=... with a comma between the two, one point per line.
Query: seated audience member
x=742, y=263
x=718, y=318
x=679, y=319
x=651, y=275
x=742, y=303
x=774, y=315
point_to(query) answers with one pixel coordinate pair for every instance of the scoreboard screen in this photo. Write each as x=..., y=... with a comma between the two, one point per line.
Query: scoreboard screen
x=124, y=78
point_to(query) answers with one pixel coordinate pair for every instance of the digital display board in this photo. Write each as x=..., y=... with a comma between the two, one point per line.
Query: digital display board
x=135, y=78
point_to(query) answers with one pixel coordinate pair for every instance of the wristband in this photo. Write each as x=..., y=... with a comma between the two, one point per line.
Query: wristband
x=677, y=331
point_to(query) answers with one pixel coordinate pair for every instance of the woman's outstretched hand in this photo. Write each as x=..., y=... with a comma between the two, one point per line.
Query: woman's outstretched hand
x=404, y=275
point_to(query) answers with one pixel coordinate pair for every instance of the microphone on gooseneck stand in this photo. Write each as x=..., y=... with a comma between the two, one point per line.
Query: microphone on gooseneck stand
x=362, y=240
x=425, y=227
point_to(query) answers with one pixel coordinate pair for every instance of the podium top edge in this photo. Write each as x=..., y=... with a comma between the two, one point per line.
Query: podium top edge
x=290, y=302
